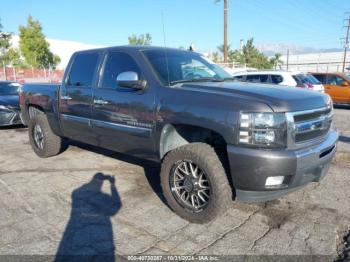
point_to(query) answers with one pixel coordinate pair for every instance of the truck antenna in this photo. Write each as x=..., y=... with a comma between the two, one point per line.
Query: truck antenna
x=165, y=50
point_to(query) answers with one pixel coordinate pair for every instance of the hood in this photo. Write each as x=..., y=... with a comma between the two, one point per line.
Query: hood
x=279, y=98
x=10, y=100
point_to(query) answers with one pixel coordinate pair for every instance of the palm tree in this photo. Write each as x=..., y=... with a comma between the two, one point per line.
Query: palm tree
x=276, y=60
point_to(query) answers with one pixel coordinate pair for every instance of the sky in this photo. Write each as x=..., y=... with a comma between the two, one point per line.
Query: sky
x=312, y=23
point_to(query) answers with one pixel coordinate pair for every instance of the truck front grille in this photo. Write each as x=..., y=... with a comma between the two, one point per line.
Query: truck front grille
x=312, y=115
x=308, y=126
x=310, y=135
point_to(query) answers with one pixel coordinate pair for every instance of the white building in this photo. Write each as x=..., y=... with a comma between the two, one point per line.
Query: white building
x=64, y=49
x=318, y=62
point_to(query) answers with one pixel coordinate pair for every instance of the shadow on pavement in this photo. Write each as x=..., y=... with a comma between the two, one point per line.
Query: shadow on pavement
x=344, y=139
x=89, y=235
x=341, y=106
x=14, y=127
x=151, y=169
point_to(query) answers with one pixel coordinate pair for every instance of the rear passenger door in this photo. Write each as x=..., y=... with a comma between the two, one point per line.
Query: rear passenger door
x=75, y=98
x=123, y=118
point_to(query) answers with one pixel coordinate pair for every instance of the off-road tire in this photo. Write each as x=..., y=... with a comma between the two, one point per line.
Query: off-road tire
x=204, y=156
x=52, y=144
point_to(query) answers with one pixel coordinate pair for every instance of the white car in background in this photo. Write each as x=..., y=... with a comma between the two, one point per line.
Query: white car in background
x=237, y=70
x=283, y=78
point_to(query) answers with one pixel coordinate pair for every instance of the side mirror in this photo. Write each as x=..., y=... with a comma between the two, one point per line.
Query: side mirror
x=130, y=79
x=344, y=83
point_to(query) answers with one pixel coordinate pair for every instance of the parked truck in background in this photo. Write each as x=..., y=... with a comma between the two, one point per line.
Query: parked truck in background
x=217, y=140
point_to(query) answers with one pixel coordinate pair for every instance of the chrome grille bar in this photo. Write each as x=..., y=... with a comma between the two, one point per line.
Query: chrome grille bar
x=307, y=127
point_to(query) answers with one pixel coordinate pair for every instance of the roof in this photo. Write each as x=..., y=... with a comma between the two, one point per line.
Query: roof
x=135, y=48
x=324, y=73
x=266, y=72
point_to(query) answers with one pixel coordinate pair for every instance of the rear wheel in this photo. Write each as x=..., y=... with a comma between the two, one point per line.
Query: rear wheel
x=43, y=141
x=194, y=183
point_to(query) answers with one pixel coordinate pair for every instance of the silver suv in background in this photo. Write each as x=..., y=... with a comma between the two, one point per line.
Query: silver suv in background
x=283, y=78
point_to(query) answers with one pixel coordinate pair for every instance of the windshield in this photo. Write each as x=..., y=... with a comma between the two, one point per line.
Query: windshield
x=176, y=66
x=306, y=79
x=9, y=89
x=313, y=79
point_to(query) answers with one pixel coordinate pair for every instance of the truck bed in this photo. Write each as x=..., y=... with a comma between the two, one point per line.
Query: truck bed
x=41, y=96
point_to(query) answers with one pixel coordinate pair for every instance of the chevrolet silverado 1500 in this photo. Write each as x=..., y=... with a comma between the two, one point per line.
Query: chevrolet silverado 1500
x=216, y=139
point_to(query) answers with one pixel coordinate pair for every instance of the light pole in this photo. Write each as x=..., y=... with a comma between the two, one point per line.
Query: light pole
x=225, y=29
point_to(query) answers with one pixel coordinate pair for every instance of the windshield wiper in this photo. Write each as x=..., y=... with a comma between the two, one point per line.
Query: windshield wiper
x=202, y=79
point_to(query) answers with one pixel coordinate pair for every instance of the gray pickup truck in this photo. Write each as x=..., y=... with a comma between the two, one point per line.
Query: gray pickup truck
x=216, y=139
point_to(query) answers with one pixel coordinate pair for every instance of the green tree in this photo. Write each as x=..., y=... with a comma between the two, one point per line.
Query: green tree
x=4, y=45
x=250, y=56
x=15, y=59
x=221, y=49
x=34, y=47
x=216, y=57
x=144, y=39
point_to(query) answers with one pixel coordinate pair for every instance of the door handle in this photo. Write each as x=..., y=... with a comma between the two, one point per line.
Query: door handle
x=66, y=97
x=100, y=102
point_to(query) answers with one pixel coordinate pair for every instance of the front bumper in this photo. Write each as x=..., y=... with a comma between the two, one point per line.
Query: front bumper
x=10, y=118
x=251, y=167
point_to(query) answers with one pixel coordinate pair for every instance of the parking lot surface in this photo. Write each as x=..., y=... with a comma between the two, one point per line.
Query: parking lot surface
x=70, y=203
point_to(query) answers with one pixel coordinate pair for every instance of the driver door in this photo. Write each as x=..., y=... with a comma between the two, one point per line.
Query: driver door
x=123, y=118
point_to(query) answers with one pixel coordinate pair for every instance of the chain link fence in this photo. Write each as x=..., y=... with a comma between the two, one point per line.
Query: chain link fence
x=31, y=75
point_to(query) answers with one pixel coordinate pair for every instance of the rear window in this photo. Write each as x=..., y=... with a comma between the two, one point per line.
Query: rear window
x=302, y=79
x=83, y=69
x=276, y=79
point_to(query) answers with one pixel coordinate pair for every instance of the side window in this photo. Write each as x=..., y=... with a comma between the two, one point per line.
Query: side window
x=117, y=62
x=334, y=80
x=253, y=78
x=321, y=78
x=276, y=79
x=238, y=78
x=83, y=69
x=264, y=78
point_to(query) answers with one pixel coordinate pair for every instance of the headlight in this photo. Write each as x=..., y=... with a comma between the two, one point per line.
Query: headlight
x=263, y=129
x=4, y=109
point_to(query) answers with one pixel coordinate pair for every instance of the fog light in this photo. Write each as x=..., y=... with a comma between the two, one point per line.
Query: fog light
x=274, y=180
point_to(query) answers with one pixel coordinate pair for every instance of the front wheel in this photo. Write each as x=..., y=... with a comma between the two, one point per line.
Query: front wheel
x=194, y=183
x=43, y=141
